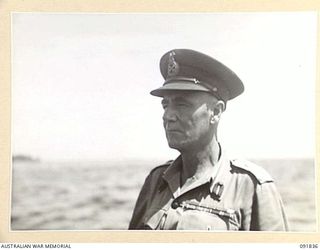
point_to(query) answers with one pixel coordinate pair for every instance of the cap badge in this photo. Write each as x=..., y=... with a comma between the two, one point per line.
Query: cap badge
x=173, y=66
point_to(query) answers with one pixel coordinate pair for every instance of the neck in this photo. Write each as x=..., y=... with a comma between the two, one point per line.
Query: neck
x=196, y=162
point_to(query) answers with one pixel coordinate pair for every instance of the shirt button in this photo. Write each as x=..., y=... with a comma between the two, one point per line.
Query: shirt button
x=175, y=204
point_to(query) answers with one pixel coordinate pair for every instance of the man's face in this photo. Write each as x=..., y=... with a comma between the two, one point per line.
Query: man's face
x=186, y=119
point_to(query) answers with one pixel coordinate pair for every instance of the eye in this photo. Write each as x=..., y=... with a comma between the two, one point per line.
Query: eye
x=164, y=104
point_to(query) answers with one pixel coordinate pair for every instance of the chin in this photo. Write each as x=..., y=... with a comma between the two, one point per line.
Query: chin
x=173, y=144
x=176, y=145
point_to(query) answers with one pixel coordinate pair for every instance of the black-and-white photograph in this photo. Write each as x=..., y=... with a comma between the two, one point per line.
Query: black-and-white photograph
x=163, y=121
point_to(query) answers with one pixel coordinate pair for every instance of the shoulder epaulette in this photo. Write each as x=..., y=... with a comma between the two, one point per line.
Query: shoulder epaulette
x=164, y=166
x=257, y=171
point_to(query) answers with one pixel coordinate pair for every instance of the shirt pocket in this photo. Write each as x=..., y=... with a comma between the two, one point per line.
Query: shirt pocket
x=200, y=220
x=156, y=219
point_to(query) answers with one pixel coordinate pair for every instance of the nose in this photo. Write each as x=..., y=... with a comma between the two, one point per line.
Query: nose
x=169, y=115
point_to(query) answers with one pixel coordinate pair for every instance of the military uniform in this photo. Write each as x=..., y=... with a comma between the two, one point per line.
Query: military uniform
x=232, y=194
x=235, y=195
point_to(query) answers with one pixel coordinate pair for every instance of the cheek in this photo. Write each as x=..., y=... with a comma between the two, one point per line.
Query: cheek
x=201, y=119
x=200, y=123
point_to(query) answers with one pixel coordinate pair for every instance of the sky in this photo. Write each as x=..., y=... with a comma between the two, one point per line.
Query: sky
x=81, y=82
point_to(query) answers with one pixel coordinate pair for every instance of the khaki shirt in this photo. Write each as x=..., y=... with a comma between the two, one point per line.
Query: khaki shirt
x=236, y=195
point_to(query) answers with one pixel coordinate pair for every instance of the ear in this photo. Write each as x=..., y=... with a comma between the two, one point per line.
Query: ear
x=219, y=107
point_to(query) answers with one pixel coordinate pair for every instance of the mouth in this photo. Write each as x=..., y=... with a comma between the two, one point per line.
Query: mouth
x=172, y=128
x=173, y=131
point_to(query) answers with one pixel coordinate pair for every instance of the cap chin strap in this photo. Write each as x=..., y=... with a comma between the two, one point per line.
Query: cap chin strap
x=211, y=89
x=183, y=79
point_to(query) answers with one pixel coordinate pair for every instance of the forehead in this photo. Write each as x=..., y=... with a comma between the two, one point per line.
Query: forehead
x=192, y=96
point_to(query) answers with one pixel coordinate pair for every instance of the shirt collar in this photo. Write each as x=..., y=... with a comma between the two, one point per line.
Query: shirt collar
x=172, y=176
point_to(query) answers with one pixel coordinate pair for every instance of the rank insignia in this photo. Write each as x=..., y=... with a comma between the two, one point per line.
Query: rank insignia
x=216, y=190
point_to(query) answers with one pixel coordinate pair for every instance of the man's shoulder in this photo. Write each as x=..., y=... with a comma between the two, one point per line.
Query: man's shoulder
x=160, y=168
x=259, y=173
x=154, y=178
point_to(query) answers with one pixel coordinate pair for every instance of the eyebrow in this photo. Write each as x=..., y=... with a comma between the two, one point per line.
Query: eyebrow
x=176, y=99
x=180, y=99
